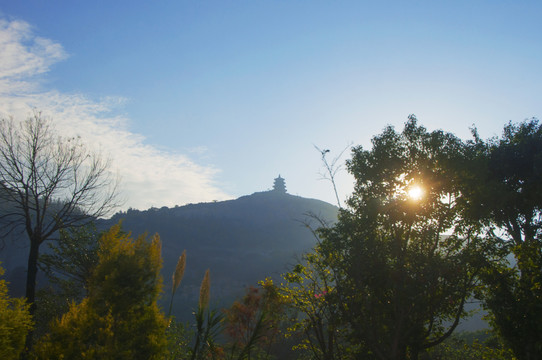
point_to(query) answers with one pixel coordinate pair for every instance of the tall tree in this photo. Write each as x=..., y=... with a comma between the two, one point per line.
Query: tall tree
x=48, y=183
x=403, y=269
x=503, y=190
x=120, y=317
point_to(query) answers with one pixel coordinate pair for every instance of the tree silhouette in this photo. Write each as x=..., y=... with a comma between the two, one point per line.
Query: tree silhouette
x=400, y=284
x=48, y=183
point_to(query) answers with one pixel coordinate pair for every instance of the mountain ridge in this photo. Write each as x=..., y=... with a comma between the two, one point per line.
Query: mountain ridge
x=241, y=241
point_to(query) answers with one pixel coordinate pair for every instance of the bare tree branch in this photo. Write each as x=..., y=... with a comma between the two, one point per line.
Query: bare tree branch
x=49, y=183
x=331, y=168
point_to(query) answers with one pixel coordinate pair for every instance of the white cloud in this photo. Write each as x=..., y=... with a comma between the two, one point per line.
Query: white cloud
x=24, y=56
x=150, y=177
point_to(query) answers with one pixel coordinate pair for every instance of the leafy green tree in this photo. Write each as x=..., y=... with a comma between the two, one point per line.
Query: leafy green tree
x=179, y=336
x=309, y=290
x=120, y=318
x=403, y=268
x=15, y=323
x=73, y=257
x=68, y=267
x=503, y=190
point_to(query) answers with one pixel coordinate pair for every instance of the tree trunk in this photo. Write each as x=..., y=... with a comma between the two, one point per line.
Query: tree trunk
x=31, y=284
x=32, y=274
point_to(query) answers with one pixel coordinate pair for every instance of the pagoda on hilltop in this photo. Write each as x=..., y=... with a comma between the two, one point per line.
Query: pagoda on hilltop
x=279, y=185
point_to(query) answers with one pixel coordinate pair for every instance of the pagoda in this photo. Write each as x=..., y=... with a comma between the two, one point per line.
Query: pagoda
x=279, y=185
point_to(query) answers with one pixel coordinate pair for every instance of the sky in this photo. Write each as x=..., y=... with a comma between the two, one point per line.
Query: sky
x=196, y=101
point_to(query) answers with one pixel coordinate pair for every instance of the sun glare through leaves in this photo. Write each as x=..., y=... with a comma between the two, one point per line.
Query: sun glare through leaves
x=415, y=193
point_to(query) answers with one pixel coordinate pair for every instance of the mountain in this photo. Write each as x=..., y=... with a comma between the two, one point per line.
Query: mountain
x=241, y=241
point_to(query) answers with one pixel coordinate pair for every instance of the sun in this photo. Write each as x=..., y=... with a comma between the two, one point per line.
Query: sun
x=415, y=192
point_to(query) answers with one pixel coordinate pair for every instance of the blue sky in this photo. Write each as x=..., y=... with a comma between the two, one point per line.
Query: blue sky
x=210, y=100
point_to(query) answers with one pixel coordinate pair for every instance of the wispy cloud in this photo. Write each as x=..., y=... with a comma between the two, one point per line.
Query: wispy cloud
x=24, y=56
x=150, y=177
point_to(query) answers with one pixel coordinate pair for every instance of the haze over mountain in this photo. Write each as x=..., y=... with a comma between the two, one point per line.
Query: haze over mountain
x=241, y=241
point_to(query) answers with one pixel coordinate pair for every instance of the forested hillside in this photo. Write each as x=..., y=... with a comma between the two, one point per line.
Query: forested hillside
x=241, y=241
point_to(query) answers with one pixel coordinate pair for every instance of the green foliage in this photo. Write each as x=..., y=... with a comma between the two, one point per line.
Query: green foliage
x=510, y=172
x=178, y=340
x=208, y=325
x=15, y=323
x=73, y=257
x=471, y=346
x=309, y=290
x=514, y=298
x=119, y=319
x=507, y=198
x=68, y=267
x=400, y=282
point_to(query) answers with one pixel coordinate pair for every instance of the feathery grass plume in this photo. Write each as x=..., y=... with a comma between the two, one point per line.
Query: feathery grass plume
x=176, y=278
x=204, y=291
x=207, y=329
x=179, y=272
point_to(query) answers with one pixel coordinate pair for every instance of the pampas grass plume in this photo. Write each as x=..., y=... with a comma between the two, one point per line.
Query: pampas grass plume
x=204, y=291
x=179, y=271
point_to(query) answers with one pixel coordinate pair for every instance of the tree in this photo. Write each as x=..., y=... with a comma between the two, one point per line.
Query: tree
x=179, y=336
x=120, y=318
x=478, y=345
x=403, y=267
x=48, y=183
x=252, y=324
x=73, y=257
x=15, y=323
x=68, y=265
x=503, y=190
x=331, y=169
x=310, y=291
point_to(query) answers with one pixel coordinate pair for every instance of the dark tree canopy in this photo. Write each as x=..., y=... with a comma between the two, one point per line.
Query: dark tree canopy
x=403, y=270
x=503, y=190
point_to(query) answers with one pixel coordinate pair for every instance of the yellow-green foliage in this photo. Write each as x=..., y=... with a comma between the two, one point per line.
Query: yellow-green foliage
x=120, y=318
x=15, y=322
